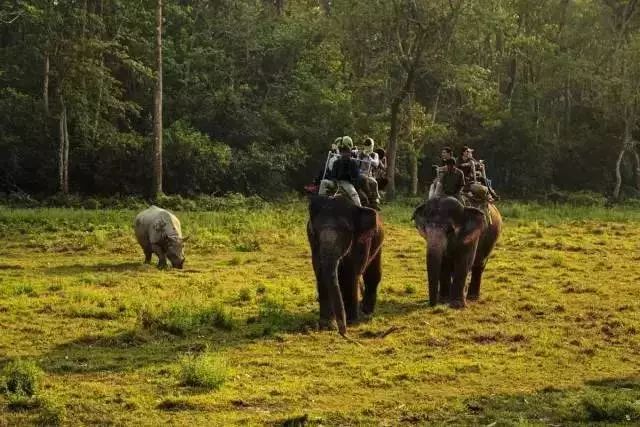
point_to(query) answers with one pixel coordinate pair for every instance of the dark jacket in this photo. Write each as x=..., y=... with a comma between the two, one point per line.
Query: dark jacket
x=345, y=170
x=452, y=182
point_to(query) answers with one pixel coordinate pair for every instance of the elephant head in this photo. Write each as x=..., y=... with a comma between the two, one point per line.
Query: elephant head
x=452, y=232
x=335, y=226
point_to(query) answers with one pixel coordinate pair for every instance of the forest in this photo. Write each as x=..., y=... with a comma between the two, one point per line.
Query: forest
x=253, y=92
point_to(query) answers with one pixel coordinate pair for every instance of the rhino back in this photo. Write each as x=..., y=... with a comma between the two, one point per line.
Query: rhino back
x=157, y=224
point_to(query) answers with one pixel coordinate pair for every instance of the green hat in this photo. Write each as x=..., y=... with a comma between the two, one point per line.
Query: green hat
x=344, y=142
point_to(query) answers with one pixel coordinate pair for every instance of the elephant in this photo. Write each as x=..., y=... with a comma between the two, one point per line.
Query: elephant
x=458, y=239
x=346, y=244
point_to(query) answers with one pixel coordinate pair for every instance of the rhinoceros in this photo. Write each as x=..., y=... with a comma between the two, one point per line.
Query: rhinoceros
x=158, y=231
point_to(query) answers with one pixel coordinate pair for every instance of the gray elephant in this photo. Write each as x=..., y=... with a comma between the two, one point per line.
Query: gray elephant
x=158, y=231
x=459, y=239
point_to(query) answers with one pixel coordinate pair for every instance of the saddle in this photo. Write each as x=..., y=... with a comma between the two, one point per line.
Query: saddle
x=478, y=197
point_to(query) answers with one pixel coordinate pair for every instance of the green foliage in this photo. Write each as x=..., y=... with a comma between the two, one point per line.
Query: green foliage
x=209, y=371
x=601, y=407
x=253, y=95
x=194, y=163
x=181, y=319
x=21, y=378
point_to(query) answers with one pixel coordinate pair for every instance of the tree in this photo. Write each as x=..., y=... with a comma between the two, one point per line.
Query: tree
x=157, y=108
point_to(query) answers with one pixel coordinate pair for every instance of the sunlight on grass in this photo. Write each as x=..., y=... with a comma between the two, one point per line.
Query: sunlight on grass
x=557, y=312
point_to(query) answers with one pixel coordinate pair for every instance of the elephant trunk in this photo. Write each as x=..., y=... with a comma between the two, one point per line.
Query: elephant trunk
x=328, y=275
x=436, y=247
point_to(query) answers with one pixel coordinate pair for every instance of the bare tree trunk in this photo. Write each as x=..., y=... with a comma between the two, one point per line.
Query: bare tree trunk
x=393, y=146
x=157, y=108
x=65, y=187
x=637, y=157
x=616, y=191
x=96, y=120
x=414, y=172
x=45, y=84
x=61, y=149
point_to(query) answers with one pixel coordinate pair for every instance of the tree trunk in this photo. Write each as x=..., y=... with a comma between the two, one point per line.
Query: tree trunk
x=65, y=187
x=157, y=108
x=61, y=150
x=45, y=84
x=616, y=191
x=393, y=146
x=414, y=172
x=637, y=157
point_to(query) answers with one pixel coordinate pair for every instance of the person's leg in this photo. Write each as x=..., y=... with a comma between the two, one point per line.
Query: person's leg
x=326, y=185
x=351, y=192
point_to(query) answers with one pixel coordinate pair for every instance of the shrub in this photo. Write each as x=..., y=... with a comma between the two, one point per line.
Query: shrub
x=50, y=416
x=21, y=377
x=244, y=294
x=207, y=371
x=180, y=319
x=609, y=408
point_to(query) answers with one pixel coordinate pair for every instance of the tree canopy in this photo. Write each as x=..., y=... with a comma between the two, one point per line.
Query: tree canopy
x=255, y=91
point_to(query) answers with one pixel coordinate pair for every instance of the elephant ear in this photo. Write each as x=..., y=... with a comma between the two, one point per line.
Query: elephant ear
x=473, y=224
x=419, y=216
x=366, y=223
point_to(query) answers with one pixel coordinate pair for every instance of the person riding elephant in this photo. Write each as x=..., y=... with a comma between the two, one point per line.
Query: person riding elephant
x=436, y=186
x=344, y=173
x=458, y=239
x=452, y=180
x=369, y=162
x=475, y=176
x=346, y=244
x=469, y=167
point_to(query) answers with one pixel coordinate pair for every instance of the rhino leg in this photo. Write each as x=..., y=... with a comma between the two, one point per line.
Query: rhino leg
x=162, y=257
x=147, y=254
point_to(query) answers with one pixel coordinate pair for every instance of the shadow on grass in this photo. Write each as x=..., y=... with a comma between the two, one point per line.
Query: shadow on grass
x=608, y=401
x=163, y=337
x=11, y=267
x=130, y=350
x=393, y=307
x=102, y=267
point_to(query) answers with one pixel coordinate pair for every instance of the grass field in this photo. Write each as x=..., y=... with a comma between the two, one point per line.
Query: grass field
x=231, y=339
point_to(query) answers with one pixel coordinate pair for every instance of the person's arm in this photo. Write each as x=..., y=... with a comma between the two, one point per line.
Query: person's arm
x=375, y=160
x=461, y=181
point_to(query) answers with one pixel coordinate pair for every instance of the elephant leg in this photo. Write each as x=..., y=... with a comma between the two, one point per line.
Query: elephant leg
x=326, y=313
x=348, y=279
x=445, y=279
x=476, y=280
x=460, y=273
x=372, y=276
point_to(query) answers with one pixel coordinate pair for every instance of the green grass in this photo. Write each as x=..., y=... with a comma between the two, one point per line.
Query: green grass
x=553, y=340
x=207, y=371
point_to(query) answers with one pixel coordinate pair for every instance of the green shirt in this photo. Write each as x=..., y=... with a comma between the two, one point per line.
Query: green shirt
x=452, y=182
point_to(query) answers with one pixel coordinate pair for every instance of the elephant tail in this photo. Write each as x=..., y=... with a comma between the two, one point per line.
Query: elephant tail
x=351, y=340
